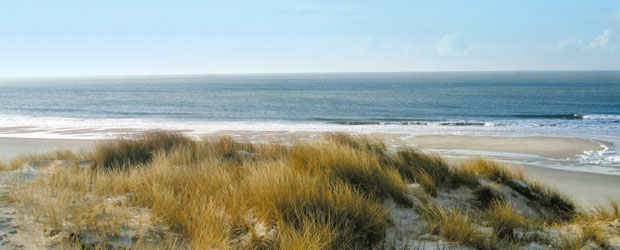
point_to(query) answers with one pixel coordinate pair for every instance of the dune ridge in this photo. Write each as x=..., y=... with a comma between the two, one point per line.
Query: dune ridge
x=164, y=190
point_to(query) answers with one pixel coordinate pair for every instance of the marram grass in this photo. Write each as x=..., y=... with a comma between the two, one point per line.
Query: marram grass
x=323, y=194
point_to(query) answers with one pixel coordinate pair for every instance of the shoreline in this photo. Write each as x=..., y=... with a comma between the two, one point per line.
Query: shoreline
x=545, y=146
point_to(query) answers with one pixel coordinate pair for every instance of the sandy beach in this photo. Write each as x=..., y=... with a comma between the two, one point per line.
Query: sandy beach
x=11, y=147
x=588, y=189
x=551, y=147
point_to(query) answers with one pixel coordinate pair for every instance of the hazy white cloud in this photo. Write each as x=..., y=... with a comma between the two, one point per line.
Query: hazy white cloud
x=617, y=15
x=601, y=41
x=566, y=44
x=451, y=43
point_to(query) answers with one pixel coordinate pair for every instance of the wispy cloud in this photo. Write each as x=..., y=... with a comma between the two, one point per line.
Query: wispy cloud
x=602, y=41
x=451, y=43
x=569, y=43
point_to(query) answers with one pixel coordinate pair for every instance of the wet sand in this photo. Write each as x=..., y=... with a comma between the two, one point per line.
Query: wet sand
x=550, y=147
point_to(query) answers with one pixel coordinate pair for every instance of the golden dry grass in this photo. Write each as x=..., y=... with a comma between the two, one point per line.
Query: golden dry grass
x=219, y=195
x=561, y=208
x=453, y=225
x=132, y=150
x=502, y=217
x=63, y=155
x=603, y=212
x=325, y=194
x=589, y=234
x=486, y=195
x=357, y=168
x=592, y=227
x=3, y=165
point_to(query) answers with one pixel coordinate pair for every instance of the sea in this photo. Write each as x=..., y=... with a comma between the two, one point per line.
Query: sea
x=579, y=104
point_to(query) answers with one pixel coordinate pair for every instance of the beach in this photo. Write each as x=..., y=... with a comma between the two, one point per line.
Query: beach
x=559, y=128
x=588, y=189
x=550, y=147
x=310, y=125
x=11, y=147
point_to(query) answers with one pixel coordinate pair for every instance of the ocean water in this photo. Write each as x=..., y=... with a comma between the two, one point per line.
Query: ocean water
x=583, y=104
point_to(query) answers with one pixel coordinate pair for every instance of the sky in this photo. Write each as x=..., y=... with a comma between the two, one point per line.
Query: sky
x=76, y=38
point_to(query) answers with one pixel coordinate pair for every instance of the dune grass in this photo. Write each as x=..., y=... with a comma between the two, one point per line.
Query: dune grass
x=224, y=194
x=62, y=155
x=324, y=194
x=502, y=217
x=589, y=234
x=487, y=195
x=603, y=212
x=453, y=224
x=133, y=150
x=357, y=168
x=3, y=165
x=557, y=204
x=591, y=227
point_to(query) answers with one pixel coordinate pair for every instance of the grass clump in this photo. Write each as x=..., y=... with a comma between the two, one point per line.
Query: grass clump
x=560, y=207
x=360, y=143
x=453, y=225
x=411, y=163
x=609, y=212
x=3, y=165
x=360, y=169
x=431, y=171
x=589, y=234
x=502, y=217
x=461, y=227
x=294, y=200
x=487, y=195
x=134, y=150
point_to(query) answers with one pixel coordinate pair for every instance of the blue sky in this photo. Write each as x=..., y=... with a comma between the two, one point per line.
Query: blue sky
x=52, y=38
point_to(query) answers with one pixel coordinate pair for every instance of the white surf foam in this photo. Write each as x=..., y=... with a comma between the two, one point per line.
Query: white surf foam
x=605, y=157
x=602, y=117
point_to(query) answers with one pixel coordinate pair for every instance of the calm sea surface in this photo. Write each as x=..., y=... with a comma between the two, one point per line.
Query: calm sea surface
x=545, y=98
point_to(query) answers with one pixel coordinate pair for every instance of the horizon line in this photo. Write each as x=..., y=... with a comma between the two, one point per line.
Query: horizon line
x=296, y=73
